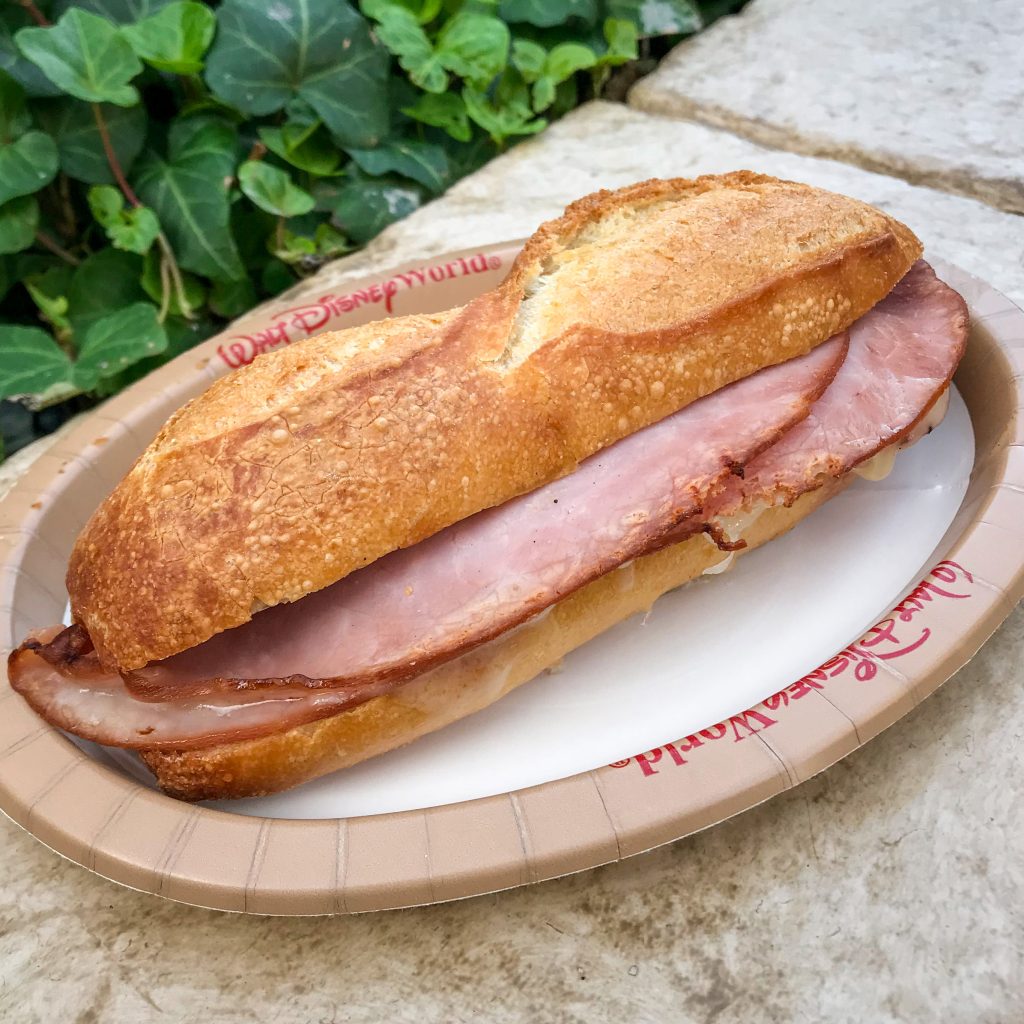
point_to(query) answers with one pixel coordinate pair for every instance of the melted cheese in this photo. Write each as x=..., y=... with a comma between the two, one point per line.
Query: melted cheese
x=879, y=466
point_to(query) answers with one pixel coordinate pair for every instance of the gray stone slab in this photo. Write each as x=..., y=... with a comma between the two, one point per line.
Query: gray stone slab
x=929, y=90
x=886, y=890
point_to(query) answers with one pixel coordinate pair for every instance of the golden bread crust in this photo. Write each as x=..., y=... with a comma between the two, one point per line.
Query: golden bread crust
x=459, y=688
x=320, y=458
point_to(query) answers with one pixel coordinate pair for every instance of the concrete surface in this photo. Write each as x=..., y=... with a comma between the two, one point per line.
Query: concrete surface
x=886, y=890
x=930, y=90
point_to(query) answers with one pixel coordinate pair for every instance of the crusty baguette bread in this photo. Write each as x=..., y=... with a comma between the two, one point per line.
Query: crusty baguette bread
x=320, y=458
x=461, y=687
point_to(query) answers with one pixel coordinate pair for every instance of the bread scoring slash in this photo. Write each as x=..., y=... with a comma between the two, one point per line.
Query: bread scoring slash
x=316, y=460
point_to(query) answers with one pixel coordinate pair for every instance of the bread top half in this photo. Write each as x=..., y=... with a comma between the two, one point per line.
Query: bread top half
x=317, y=459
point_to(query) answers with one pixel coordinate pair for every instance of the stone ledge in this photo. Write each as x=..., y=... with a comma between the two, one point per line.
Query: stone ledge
x=931, y=92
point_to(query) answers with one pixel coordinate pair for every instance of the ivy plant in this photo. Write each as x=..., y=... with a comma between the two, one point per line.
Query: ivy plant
x=166, y=164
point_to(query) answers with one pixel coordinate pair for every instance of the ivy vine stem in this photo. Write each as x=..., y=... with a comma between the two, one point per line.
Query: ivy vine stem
x=166, y=252
x=175, y=271
x=56, y=248
x=165, y=290
x=112, y=160
x=35, y=14
x=70, y=229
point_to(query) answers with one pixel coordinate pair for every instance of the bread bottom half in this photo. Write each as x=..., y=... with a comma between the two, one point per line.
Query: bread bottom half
x=469, y=683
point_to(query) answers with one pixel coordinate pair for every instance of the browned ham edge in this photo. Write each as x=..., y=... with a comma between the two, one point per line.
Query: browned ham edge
x=902, y=356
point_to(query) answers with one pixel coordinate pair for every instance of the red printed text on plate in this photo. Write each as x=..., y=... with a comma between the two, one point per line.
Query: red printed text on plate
x=892, y=638
x=312, y=317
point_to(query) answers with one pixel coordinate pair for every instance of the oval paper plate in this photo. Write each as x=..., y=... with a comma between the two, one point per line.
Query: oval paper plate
x=518, y=811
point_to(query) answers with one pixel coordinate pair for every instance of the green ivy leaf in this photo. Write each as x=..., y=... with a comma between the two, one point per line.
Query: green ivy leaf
x=501, y=121
x=566, y=59
x=86, y=56
x=106, y=281
x=19, y=219
x=232, y=298
x=133, y=229
x=544, y=90
x=474, y=46
x=364, y=208
x=559, y=65
x=79, y=145
x=27, y=165
x=120, y=12
x=320, y=240
x=468, y=157
x=181, y=336
x=24, y=72
x=446, y=111
x=546, y=13
x=399, y=30
x=320, y=50
x=657, y=17
x=188, y=192
x=276, y=277
x=175, y=38
x=622, y=41
x=330, y=243
x=106, y=203
x=53, y=310
x=271, y=189
x=528, y=59
x=153, y=285
x=424, y=10
x=31, y=362
x=48, y=289
x=424, y=162
x=116, y=341
x=14, y=119
x=308, y=149
x=292, y=248
x=251, y=226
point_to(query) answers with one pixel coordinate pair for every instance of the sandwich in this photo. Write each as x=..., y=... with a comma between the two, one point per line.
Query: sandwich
x=363, y=537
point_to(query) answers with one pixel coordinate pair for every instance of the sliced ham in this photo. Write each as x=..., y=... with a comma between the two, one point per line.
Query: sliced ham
x=423, y=605
x=901, y=359
x=95, y=705
x=348, y=643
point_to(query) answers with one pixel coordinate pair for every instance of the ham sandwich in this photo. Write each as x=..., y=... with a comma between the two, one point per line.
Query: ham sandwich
x=437, y=608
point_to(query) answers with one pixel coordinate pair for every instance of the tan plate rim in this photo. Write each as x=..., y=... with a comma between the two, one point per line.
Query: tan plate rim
x=123, y=831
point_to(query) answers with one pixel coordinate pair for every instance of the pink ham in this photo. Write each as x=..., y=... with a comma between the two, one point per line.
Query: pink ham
x=477, y=579
x=902, y=357
x=433, y=601
x=95, y=705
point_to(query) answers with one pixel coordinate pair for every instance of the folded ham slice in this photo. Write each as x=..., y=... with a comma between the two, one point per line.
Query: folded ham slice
x=901, y=359
x=419, y=607
x=95, y=704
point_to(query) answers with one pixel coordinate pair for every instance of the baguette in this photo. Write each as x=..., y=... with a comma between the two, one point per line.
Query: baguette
x=318, y=459
x=461, y=687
